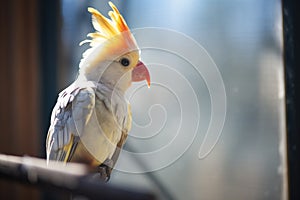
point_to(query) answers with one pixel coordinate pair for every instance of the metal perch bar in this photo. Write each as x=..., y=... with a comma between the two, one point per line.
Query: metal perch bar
x=69, y=177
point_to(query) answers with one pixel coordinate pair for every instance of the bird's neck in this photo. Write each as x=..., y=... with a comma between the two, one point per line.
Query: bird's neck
x=103, y=84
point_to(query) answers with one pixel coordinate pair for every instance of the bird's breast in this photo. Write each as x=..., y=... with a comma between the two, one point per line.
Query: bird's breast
x=103, y=131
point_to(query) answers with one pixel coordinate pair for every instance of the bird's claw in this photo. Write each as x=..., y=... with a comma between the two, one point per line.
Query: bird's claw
x=105, y=169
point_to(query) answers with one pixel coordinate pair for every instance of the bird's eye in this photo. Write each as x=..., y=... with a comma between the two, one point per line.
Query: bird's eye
x=125, y=62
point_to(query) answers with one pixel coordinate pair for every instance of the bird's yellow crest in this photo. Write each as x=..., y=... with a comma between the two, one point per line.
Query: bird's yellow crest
x=113, y=34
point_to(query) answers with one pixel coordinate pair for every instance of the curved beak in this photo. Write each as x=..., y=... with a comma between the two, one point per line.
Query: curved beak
x=140, y=73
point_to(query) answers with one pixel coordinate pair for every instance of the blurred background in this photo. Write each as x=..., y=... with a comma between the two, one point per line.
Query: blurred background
x=243, y=38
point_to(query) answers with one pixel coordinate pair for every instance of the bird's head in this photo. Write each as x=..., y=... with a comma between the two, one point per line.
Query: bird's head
x=113, y=57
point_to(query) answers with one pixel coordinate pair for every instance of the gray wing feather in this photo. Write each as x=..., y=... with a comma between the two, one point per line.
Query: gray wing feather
x=73, y=103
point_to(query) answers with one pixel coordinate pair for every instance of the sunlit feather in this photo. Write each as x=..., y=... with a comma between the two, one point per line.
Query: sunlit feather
x=113, y=31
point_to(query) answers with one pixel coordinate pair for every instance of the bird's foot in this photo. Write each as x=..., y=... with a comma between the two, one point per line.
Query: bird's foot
x=105, y=169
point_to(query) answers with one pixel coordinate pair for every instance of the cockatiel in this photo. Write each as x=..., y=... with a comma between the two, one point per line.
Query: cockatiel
x=91, y=119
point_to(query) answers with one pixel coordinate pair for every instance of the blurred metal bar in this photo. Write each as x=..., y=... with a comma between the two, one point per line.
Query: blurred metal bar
x=72, y=178
x=49, y=39
x=292, y=78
